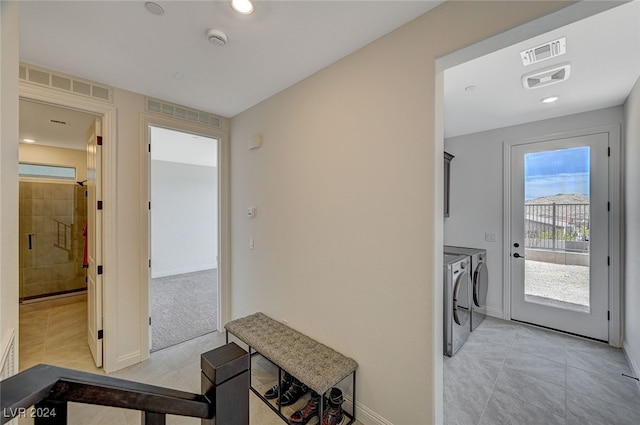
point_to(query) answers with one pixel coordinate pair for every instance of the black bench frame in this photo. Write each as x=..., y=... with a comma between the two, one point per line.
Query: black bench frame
x=278, y=410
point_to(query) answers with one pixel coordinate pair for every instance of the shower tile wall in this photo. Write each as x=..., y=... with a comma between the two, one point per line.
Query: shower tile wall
x=52, y=215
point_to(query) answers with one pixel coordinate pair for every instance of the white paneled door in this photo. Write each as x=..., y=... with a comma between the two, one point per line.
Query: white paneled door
x=559, y=234
x=94, y=241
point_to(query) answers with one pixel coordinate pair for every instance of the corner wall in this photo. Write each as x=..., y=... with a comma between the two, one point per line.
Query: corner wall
x=346, y=185
x=631, y=141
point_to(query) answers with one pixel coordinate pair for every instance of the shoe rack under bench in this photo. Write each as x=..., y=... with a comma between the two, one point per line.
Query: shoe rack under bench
x=330, y=367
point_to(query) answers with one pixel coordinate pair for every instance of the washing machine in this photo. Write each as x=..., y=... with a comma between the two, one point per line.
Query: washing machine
x=456, y=302
x=479, y=275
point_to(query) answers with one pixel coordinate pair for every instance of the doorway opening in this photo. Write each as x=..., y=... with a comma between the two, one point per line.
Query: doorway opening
x=184, y=235
x=53, y=215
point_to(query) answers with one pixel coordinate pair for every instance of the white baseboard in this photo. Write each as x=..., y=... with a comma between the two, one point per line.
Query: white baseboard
x=364, y=415
x=494, y=312
x=635, y=368
x=9, y=360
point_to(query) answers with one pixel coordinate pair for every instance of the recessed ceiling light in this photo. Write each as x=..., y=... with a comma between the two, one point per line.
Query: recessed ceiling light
x=28, y=140
x=550, y=99
x=154, y=8
x=244, y=7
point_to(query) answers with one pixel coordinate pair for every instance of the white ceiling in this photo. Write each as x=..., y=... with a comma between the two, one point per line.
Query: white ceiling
x=169, y=57
x=52, y=126
x=282, y=42
x=604, y=53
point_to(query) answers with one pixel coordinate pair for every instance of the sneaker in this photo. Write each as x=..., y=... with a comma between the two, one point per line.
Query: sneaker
x=293, y=393
x=334, y=414
x=304, y=415
x=273, y=391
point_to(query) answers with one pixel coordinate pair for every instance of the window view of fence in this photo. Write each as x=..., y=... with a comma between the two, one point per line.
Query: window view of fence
x=557, y=227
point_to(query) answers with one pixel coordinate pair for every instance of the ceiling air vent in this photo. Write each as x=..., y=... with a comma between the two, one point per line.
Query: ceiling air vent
x=546, y=77
x=43, y=77
x=546, y=51
x=182, y=112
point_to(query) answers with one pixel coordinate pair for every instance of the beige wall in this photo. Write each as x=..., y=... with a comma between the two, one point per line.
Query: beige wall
x=8, y=172
x=345, y=186
x=126, y=301
x=38, y=154
x=345, y=189
x=631, y=137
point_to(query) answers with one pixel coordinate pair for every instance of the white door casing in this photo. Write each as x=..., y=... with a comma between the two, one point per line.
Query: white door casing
x=224, y=202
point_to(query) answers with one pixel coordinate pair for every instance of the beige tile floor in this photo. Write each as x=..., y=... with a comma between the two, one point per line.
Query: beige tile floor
x=54, y=332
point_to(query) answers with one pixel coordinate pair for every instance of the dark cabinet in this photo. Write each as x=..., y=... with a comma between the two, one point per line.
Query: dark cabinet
x=447, y=167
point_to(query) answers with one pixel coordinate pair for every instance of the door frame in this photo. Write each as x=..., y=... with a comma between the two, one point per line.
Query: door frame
x=615, y=221
x=109, y=131
x=224, y=222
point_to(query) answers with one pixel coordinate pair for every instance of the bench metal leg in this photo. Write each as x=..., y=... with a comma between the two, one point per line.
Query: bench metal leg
x=353, y=405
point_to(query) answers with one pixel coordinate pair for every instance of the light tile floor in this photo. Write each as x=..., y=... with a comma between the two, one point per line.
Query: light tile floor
x=54, y=332
x=508, y=373
x=505, y=373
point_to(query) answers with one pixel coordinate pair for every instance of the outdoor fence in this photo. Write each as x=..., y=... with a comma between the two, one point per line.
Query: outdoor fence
x=557, y=227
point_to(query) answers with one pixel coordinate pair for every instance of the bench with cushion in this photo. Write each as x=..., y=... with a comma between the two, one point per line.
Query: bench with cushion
x=316, y=365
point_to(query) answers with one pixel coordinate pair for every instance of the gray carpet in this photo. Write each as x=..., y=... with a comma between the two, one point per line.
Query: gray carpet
x=183, y=307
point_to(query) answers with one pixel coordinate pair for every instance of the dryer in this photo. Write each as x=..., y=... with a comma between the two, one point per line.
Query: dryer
x=479, y=275
x=456, y=302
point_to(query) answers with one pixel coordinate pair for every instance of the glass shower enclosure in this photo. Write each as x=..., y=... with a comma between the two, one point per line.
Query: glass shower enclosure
x=52, y=218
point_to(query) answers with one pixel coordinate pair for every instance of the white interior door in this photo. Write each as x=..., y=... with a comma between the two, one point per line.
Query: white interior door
x=559, y=234
x=94, y=241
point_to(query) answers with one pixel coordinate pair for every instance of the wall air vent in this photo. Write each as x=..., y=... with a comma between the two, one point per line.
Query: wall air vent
x=547, y=77
x=56, y=80
x=546, y=51
x=182, y=112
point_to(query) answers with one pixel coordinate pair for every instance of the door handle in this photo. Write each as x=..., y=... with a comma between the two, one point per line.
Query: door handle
x=516, y=255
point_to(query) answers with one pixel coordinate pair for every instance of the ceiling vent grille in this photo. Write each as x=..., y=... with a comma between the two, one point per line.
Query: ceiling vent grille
x=546, y=51
x=182, y=112
x=58, y=81
x=546, y=77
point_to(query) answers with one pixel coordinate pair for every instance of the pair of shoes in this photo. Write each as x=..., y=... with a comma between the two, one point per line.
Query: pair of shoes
x=308, y=411
x=273, y=391
x=296, y=390
x=334, y=414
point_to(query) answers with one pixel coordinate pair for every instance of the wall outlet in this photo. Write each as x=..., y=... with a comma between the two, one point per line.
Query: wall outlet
x=490, y=236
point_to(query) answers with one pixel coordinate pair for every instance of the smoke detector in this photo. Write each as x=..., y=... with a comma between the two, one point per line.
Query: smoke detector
x=217, y=37
x=546, y=77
